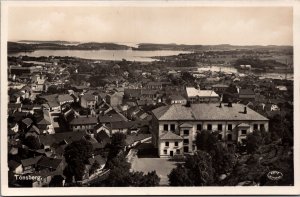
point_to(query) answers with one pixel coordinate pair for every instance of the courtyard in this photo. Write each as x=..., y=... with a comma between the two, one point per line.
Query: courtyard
x=148, y=163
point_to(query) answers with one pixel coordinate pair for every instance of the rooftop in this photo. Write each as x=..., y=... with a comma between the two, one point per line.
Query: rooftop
x=89, y=97
x=193, y=92
x=205, y=111
x=30, y=161
x=49, y=162
x=169, y=136
x=246, y=91
x=84, y=121
x=64, y=98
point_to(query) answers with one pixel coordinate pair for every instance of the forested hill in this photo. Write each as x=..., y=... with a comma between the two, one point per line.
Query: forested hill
x=27, y=47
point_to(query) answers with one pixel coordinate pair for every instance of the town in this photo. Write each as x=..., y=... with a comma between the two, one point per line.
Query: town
x=81, y=122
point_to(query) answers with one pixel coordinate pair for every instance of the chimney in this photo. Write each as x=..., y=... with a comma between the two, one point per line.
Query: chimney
x=245, y=110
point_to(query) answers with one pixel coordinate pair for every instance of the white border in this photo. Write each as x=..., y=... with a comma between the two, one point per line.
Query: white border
x=284, y=190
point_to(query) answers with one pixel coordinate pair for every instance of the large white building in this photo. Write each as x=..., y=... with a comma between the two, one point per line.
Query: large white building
x=201, y=96
x=174, y=127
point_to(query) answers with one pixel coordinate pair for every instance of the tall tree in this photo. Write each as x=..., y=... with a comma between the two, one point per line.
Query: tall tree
x=206, y=140
x=76, y=155
x=197, y=171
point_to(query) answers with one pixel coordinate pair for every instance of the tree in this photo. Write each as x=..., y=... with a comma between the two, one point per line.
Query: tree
x=56, y=181
x=76, y=155
x=119, y=172
x=197, y=171
x=223, y=161
x=118, y=140
x=201, y=170
x=179, y=176
x=94, y=167
x=32, y=142
x=252, y=143
x=150, y=179
x=117, y=144
x=120, y=175
x=206, y=140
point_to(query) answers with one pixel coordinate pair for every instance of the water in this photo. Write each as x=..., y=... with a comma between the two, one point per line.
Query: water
x=117, y=55
x=232, y=70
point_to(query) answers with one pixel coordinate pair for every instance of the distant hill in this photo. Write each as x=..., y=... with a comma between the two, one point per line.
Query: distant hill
x=14, y=47
x=221, y=47
x=31, y=45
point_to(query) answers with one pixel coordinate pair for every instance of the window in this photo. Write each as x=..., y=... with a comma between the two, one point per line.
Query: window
x=229, y=127
x=229, y=137
x=199, y=127
x=220, y=136
x=186, y=132
x=176, y=143
x=220, y=127
x=186, y=141
x=166, y=143
x=209, y=127
x=172, y=127
x=244, y=132
x=165, y=152
x=186, y=149
x=262, y=127
x=255, y=126
x=177, y=151
x=166, y=127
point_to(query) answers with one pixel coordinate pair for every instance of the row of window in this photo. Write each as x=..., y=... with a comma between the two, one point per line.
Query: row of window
x=185, y=150
x=209, y=127
x=185, y=141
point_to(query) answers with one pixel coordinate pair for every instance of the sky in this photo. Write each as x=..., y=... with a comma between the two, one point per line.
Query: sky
x=181, y=25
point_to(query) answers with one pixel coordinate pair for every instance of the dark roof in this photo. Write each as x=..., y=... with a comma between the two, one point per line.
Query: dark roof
x=154, y=83
x=19, y=115
x=169, y=136
x=176, y=97
x=206, y=111
x=59, y=137
x=114, y=117
x=148, y=92
x=103, y=135
x=246, y=92
x=45, y=120
x=14, y=105
x=27, y=121
x=30, y=161
x=53, y=103
x=64, y=98
x=27, y=88
x=132, y=92
x=101, y=160
x=89, y=97
x=50, y=97
x=34, y=129
x=84, y=121
x=130, y=139
x=30, y=107
x=48, y=162
x=13, y=164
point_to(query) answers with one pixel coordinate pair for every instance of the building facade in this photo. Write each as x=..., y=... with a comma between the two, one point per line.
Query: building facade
x=232, y=122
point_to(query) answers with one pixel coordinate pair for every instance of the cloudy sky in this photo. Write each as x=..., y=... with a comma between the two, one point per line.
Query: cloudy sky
x=181, y=25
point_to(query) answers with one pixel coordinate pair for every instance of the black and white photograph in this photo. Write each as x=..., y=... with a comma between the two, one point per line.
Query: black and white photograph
x=149, y=97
